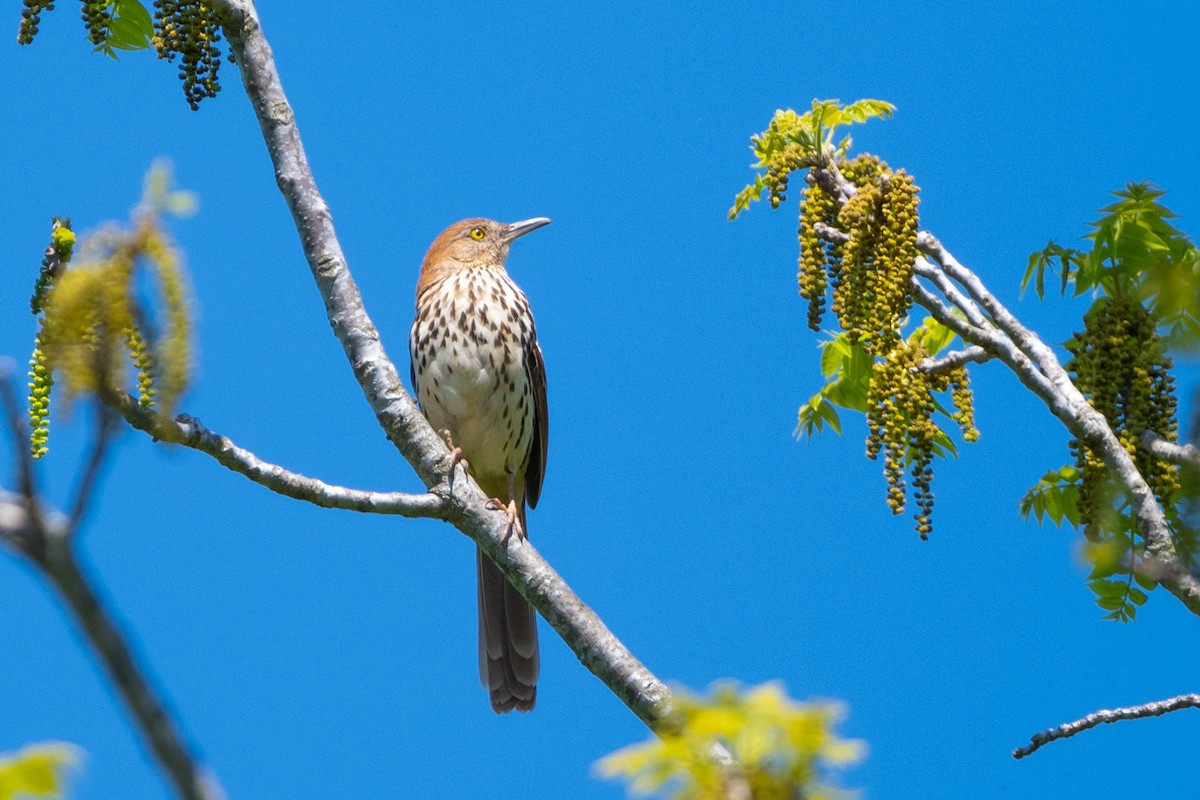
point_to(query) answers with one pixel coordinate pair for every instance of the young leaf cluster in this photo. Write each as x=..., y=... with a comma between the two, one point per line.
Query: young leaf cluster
x=95, y=321
x=783, y=749
x=796, y=141
x=1138, y=254
x=37, y=770
x=185, y=28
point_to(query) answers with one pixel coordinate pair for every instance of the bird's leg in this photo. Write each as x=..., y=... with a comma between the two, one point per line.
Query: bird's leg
x=456, y=458
x=509, y=508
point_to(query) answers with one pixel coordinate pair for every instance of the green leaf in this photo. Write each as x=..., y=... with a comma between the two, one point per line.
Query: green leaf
x=815, y=415
x=747, y=196
x=135, y=13
x=933, y=336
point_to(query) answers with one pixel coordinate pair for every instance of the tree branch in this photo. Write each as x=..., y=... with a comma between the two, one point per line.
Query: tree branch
x=466, y=506
x=46, y=540
x=1069, y=729
x=190, y=432
x=1186, y=455
x=955, y=359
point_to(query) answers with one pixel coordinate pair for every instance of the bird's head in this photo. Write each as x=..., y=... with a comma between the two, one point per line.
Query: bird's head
x=472, y=243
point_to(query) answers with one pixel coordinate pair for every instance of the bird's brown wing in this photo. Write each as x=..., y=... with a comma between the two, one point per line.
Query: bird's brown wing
x=412, y=362
x=535, y=470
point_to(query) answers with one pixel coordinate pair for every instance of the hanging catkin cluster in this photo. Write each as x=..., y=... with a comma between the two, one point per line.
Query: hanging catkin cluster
x=93, y=327
x=1119, y=363
x=185, y=28
x=900, y=406
x=867, y=272
x=869, y=275
x=31, y=17
x=97, y=15
x=189, y=29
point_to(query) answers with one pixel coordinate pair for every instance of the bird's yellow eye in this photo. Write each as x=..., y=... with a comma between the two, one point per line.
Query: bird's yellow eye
x=478, y=233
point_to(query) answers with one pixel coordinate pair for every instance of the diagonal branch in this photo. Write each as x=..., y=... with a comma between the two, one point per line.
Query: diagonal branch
x=466, y=506
x=45, y=538
x=189, y=432
x=1069, y=729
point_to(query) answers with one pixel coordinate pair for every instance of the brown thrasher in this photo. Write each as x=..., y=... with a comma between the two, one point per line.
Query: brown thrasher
x=478, y=374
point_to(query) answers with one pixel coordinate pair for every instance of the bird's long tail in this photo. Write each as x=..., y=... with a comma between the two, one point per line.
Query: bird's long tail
x=508, y=641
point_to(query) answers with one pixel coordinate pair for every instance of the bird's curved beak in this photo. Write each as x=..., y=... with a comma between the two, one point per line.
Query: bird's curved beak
x=518, y=229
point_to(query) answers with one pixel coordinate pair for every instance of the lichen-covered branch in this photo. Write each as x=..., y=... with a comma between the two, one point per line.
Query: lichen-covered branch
x=1069, y=729
x=465, y=506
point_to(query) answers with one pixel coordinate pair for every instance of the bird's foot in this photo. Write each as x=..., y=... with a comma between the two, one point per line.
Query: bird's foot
x=456, y=458
x=510, y=509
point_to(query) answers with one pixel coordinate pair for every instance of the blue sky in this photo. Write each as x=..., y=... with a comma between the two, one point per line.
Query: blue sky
x=315, y=653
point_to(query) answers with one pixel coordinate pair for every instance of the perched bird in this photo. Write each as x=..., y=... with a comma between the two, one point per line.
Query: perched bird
x=478, y=374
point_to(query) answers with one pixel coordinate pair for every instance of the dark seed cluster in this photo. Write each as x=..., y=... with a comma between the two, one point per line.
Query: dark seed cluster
x=31, y=17
x=1120, y=364
x=188, y=29
x=97, y=14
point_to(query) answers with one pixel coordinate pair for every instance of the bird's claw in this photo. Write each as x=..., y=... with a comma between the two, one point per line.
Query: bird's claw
x=456, y=458
x=510, y=509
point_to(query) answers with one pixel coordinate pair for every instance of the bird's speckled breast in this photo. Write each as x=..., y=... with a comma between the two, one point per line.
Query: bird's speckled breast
x=474, y=366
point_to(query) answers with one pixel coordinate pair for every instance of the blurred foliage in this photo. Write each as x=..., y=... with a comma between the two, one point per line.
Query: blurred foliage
x=857, y=257
x=1144, y=276
x=37, y=770
x=97, y=317
x=1136, y=254
x=783, y=750
x=188, y=29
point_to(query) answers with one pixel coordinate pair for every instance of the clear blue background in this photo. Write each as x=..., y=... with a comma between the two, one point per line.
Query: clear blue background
x=314, y=654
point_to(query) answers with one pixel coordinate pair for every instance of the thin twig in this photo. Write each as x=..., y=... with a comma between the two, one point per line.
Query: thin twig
x=86, y=485
x=1069, y=729
x=1185, y=455
x=955, y=359
x=190, y=432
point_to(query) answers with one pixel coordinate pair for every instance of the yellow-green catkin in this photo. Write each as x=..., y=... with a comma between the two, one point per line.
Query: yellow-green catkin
x=143, y=362
x=964, y=403
x=1119, y=362
x=41, y=371
x=41, y=381
x=900, y=407
x=816, y=255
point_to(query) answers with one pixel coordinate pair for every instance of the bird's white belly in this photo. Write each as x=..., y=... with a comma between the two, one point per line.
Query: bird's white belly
x=474, y=383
